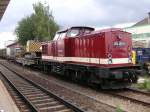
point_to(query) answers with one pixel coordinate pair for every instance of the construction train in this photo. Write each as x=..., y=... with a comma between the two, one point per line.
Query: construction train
x=103, y=58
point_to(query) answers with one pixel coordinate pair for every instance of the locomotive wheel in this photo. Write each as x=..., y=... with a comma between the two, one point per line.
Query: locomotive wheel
x=133, y=77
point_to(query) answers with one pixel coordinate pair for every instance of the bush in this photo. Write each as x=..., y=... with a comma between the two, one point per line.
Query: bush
x=145, y=85
x=119, y=109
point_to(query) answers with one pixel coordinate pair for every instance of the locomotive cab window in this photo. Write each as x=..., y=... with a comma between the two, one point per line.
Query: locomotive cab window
x=73, y=33
x=62, y=35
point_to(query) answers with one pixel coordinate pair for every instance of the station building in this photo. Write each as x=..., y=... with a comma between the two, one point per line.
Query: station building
x=141, y=32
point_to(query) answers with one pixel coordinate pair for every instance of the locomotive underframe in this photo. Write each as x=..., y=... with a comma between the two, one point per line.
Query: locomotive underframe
x=106, y=78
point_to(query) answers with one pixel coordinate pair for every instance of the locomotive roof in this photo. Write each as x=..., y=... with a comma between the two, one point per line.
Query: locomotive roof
x=110, y=30
x=86, y=27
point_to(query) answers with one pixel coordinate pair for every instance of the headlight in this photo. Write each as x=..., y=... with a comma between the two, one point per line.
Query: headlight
x=109, y=58
x=130, y=58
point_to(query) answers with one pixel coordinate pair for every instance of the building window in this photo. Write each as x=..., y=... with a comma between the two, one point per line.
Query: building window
x=142, y=35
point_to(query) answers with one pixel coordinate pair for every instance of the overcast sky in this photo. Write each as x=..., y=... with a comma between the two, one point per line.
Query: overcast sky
x=97, y=13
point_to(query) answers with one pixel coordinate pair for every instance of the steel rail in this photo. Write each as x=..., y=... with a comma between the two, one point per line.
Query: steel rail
x=128, y=98
x=32, y=107
x=138, y=91
x=66, y=103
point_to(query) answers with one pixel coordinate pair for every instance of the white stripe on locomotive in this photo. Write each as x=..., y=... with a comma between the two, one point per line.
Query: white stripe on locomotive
x=88, y=60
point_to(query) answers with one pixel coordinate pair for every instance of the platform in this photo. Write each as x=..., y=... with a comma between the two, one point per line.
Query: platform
x=6, y=102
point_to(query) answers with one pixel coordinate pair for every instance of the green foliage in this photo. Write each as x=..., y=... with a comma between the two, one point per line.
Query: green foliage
x=119, y=109
x=38, y=26
x=44, y=22
x=145, y=84
x=24, y=30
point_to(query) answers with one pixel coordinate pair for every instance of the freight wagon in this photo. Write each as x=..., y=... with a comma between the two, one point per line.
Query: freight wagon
x=3, y=53
x=13, y=51
x=31, y=54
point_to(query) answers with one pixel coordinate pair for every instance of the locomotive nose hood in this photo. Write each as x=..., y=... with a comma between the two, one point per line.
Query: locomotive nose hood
x=119, y=47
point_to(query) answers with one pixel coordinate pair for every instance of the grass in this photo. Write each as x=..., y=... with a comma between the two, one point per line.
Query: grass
x=119, y=109
x=145, y=85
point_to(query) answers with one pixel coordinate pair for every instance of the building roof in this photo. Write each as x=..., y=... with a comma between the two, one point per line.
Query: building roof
x=3, y=6
x=13, y=44
x=145, y=21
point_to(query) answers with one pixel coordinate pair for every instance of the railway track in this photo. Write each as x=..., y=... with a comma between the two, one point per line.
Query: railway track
x=133, y=95
x=136, y=97
x=33, y=98
x=19, y=101
x=91, y=105
x=138, y=91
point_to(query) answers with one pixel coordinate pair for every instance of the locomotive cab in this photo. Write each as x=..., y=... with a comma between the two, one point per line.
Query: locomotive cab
x=73, y=32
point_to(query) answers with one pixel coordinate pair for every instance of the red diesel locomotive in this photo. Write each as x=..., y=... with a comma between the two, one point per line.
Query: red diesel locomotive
x=97, y=57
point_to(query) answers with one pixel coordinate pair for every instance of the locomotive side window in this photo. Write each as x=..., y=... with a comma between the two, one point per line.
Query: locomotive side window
x=56, y=36
x=86, y=31
x=73, y=33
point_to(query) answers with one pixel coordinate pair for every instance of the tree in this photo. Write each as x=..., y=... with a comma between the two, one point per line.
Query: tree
x=24, y=30
x=38, y=26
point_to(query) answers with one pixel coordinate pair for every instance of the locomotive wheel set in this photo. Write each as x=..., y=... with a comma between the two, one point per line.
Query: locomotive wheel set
x=101, y=58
